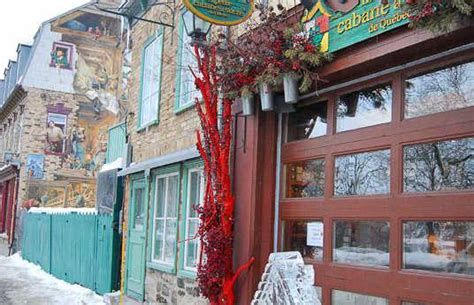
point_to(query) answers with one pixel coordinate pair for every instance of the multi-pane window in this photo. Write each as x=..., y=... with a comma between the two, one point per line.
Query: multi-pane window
x=186, y=91
x=165, y=219
x=361, y=242
x=305, y=179
x=439, y=166
x=307, y=122
x=305, y=236
x=443, y=90
x=195, y=189
x=365, y=173
x=364, y=108
x=151, y=81
x=439, y=246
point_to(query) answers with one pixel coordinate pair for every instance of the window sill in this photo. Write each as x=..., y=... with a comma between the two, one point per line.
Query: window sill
x=160, y=267
x=145, y=127
x=187, y=274
x=181, y=109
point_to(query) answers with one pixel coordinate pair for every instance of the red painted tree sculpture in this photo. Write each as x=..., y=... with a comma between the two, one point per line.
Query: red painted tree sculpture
x=216, y=276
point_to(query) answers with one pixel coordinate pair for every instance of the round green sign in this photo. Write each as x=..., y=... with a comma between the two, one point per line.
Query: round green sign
x=221, y=12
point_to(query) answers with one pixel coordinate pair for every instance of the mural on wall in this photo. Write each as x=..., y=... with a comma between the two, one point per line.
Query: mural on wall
x=35, y=166
x=62, y=194
x=61, y=55
x=92, y=23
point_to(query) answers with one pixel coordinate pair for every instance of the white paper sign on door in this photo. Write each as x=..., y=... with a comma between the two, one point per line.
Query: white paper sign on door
x=315, y=233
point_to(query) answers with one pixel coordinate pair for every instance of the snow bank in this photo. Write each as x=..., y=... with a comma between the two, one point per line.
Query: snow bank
x=30, y=284
x=63, y=210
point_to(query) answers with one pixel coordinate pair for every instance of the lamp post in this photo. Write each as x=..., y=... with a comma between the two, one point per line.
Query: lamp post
x=196, y=28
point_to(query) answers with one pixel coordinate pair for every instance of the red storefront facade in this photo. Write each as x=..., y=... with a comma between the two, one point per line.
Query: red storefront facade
x=405, y=238
x=8, y=199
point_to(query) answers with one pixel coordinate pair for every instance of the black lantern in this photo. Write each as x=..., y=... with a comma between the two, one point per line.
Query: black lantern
x=195, y=27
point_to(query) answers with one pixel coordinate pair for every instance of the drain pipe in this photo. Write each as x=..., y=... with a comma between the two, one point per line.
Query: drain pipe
x=277, y=182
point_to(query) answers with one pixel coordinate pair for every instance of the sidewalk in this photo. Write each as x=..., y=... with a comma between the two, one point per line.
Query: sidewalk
x=25, y=283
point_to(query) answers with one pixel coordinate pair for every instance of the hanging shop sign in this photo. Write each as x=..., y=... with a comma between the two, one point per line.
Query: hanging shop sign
x=337, y=24
x=221, y=12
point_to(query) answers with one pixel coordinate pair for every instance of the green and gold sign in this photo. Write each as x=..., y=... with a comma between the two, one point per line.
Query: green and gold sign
x=336, y=24
x=222, y=12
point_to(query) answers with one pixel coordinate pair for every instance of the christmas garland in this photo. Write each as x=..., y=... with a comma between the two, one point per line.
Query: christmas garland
x=439, y=15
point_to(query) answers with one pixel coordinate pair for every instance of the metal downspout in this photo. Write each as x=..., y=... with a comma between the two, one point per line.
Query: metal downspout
x=276, y=222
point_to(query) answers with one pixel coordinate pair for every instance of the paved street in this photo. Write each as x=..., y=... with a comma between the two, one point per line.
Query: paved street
x=24, y=283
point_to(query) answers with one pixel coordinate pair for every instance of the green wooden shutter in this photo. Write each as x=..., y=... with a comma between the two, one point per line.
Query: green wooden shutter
x=116, y=142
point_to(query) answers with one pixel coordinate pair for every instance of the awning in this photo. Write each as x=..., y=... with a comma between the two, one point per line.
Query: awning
x=174, y=157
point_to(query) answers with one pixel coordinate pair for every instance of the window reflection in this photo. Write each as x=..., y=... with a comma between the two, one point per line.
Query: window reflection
x=440, y=246
x=364, y=108
x=305, y=179
x=448, y=89
x=361, y=242
x=411, y=303
x=340, y=297
x=363, y=174
x=296, y=238
x=308, y=122
x=439, y=166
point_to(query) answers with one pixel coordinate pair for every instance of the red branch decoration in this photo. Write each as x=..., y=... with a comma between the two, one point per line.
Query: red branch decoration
x=216, y=276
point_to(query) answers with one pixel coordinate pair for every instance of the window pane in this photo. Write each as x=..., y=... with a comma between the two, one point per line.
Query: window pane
x=364, y=108
x=439, y=166
x=173, y=196
x=151, y=79
x=139, y=218
x=308, y=122
x=195, y=196
x=161, y=193
x=440, y=246
x=296, y=238
x=192, y=245
x=305, y=179
x=349, y=298
x=411, y=303
x=363, y=174
x=444, y=90
x=170, y=240
x=188, y=91
x=361, y=242
x=159, y=239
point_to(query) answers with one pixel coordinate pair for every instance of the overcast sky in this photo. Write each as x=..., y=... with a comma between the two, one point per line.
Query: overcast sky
x=20, y=19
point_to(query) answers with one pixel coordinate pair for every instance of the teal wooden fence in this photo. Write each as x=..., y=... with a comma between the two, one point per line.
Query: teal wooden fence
x=77, y=248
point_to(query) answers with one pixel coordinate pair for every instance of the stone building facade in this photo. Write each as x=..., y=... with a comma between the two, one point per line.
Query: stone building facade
x=58, y=105
x=164, y=146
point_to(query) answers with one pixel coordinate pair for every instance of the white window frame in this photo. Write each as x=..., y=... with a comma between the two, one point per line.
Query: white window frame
x=165, y=219
x=187, y=220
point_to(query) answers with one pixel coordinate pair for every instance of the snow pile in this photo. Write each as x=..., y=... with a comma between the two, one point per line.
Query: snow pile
x=63, y=210
x=26, y=283
x=3, y=235
x=118, y=163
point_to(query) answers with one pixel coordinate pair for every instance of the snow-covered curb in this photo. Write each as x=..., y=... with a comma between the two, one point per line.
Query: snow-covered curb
x=43, y=285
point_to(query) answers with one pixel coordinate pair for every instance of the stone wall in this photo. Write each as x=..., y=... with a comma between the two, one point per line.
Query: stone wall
x=174, y=132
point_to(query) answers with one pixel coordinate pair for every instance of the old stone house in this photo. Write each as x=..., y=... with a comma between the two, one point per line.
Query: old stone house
x=60, y=98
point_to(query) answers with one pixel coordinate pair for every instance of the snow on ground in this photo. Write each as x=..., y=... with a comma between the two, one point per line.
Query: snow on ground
x=24, y=283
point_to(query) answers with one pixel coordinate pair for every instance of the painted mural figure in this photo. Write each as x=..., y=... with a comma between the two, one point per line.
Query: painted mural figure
x=54, y=137
x=59, y=58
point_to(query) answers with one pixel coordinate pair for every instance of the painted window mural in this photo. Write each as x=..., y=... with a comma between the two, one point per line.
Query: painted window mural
x=61, y=55
x=35, y=166
x=55, y=134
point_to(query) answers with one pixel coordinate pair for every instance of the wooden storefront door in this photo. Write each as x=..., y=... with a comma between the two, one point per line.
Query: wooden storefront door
x=135, y=278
